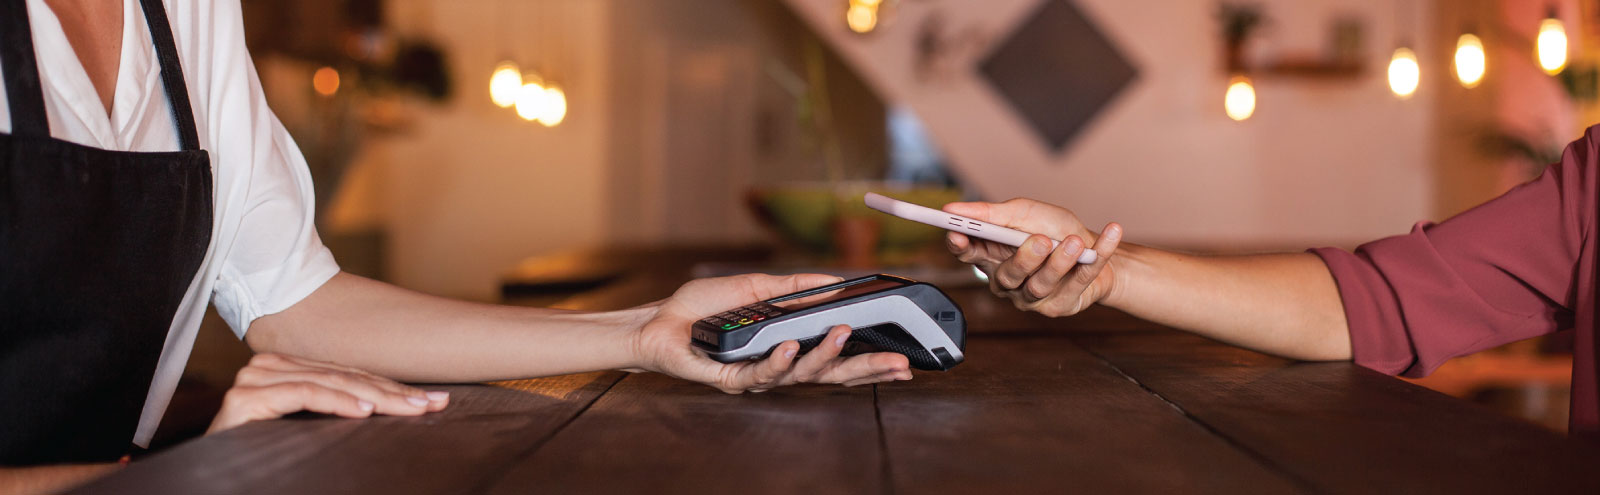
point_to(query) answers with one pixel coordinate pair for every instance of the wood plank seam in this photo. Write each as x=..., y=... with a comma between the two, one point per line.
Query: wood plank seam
x=883, y=444
x=493, y=476
x=1260, y=458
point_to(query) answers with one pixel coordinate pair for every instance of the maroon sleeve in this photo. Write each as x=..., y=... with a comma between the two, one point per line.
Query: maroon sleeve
x=1503, y=271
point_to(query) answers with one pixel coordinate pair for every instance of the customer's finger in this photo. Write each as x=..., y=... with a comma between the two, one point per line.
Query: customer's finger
x=1084, y=275
x=959, y=245
x=1013, y=272
x=1044, y=282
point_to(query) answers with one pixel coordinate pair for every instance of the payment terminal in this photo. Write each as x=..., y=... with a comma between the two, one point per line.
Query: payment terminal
x=885, y=313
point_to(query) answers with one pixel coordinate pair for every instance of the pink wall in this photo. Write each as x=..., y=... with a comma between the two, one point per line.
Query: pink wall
x=1527, y=101
x=1321, y=162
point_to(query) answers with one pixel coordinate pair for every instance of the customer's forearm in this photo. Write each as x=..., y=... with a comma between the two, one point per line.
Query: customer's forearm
x=409, y=336
x=1283, y=304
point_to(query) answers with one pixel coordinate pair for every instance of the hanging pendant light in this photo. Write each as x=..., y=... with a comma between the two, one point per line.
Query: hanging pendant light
x=530, y=99
x=554, y=108
x=1552, y=44
x=504, y=84
x=1471, y=62
x=862, y=15
x=1404, y=73
x=1240, y=99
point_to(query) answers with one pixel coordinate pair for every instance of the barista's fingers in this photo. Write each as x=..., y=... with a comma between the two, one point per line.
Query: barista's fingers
x=764, y=374
x=865, y=366
x=881, y=377
x=818, y=358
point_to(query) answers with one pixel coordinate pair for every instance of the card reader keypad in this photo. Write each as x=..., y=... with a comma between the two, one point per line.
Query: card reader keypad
x=748, y=315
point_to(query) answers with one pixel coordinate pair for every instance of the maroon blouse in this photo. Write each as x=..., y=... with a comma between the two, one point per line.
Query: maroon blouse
x=1519, y=266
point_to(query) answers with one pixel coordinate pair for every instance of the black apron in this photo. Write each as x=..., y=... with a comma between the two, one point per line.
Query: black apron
x=97, y=249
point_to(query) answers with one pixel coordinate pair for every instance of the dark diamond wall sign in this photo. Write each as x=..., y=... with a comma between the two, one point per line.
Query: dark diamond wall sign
x=1058, y=71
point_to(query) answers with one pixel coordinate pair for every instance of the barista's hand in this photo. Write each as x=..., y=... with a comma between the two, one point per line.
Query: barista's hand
x=662, y=343
x=1034, y=277
x=274, y=385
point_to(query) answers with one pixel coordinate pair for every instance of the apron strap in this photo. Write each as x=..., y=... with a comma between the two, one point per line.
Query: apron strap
x=24, y=93
x=155, y=16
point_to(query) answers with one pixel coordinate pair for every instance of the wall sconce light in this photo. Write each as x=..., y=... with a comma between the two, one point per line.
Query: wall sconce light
x=1552, y=44
x=1404, y=73
x=1240, y=100
x=1471, y=63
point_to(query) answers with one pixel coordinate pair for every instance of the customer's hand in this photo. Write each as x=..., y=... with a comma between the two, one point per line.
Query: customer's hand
x=1035, y=277
x=663, y=345
x=274, y=385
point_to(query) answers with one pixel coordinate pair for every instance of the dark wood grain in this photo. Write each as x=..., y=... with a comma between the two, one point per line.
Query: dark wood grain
x=653, y=434
x=447, y=452
x=1344, y=428
x=1098, y=403
x=1032, y=414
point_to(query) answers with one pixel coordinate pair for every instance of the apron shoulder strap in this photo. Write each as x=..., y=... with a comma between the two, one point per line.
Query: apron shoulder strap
x=155, y=16
x=24, y=93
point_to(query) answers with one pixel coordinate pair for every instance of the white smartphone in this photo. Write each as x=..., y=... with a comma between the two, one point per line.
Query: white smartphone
x=958, y=223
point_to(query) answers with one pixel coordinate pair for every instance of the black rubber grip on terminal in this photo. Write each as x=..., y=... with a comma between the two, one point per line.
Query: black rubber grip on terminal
x=887, y=337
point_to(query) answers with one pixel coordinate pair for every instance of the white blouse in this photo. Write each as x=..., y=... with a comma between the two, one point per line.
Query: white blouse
x=265, y=254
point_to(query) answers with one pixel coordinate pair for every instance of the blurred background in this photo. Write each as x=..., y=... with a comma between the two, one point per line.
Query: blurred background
x=516, y=150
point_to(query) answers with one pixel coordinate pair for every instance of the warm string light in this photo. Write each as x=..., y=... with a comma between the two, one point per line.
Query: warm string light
x=1240, y=100
x=1552, y=45
x=1471, y=63
x=1404, y=73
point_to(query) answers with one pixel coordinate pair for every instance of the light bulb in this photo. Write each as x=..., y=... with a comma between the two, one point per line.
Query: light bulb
x=1240, y=100
x=530, y=101
x=504, y=84
x=861, y=18
x=325, y=81
x=1552, y=46
x=1470, y=60
x=1404, y=73
x=555, y=107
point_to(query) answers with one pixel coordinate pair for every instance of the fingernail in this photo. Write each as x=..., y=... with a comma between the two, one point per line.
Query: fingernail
x=789, y=353
x=365, y=406
x=1074, y=244
x=1040, y=247
x=417, y=401
x=438, y=395
x=842, y=337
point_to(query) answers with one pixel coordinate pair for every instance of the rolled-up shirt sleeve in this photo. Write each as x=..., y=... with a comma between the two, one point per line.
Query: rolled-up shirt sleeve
x=1501, y=272
x=266, y=238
